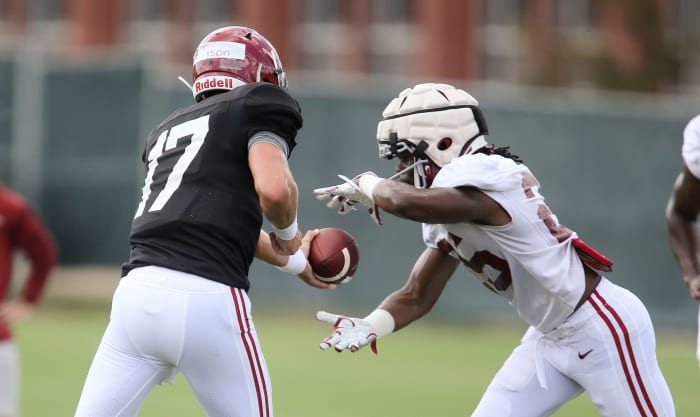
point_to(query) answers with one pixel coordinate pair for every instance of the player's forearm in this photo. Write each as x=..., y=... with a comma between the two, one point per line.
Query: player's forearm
x=685, y=244
x=266, y=253
x=404, y=308
x=423, y=288
x=43, y=254
x=279, y=205
x=35, y=283
x=401, y=200
x=274, y=184
x=407, y=304
x=443, y=205
x=685, y=250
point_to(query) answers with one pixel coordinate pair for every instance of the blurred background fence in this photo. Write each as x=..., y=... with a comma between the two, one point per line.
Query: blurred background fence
x=595, y=109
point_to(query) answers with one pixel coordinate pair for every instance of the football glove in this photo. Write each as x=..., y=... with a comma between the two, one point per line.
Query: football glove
x=346, y=195
x=348, y=333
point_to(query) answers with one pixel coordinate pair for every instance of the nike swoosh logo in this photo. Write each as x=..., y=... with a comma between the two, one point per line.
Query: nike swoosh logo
x=583, y=355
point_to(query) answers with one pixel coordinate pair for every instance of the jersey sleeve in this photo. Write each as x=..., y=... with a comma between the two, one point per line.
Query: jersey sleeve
x=486, y=172
x=37, y=243
x=436, y=236
x=691, y=146
x=270, y=108
x=432, y=234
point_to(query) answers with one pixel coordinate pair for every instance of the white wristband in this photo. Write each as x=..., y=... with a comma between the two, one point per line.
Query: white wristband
x=368, y=183
x=382, y=321
x=296, y=264
x=289, y=232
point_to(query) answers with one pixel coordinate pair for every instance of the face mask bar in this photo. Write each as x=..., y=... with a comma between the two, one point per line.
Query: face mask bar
x=403, y=171
x=393, y=148
x=420, y=177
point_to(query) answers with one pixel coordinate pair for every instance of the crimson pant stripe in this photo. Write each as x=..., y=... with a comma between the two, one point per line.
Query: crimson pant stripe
x=251, y=351
x=621, y=352
x=258, y=362
x=628, y=342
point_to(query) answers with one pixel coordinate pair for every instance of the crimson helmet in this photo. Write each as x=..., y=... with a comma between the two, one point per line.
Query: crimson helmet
x=232, y=56
x=436, y=123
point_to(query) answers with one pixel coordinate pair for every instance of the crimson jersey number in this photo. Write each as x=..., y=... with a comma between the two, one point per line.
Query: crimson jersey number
x=484, y=258
x=481, y=259
x=197, y=129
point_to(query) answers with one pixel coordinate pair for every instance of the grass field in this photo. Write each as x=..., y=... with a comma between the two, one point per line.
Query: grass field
x=428, y=369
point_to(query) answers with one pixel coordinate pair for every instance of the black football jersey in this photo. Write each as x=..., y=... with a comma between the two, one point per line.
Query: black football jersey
x=199, y=211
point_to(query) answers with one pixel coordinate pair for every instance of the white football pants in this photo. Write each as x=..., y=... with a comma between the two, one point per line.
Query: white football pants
x=607, y=348
x=9, y=379
x=165, y=321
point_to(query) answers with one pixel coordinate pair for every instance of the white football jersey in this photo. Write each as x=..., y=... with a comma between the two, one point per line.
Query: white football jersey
x=691, y=146
x=531, y=261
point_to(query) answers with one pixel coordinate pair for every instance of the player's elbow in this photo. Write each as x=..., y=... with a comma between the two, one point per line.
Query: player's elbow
x=277, y=194
x=274, y=196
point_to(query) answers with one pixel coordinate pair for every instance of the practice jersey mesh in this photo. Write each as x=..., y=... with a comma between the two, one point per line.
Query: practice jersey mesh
x=199, y=211
x=531, y=261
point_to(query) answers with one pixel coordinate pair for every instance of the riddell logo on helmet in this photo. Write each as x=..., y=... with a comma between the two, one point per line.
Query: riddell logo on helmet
x=211, y=83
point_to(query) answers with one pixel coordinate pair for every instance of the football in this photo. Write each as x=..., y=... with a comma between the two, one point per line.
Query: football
x=334, y=255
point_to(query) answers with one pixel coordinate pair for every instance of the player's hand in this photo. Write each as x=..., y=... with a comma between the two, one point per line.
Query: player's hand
x=285, y=247
x=308, y=275
x=693, y=284
x=346, y=195
x=348, y=333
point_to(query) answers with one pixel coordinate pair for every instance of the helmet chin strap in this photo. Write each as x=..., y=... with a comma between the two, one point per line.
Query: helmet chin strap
x=420, y=178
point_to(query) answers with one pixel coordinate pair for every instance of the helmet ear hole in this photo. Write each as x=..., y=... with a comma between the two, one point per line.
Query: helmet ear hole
x=444, y=143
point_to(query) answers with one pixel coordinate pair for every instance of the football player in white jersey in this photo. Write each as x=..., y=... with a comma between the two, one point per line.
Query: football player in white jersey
x=481, y=206
x=682, y=214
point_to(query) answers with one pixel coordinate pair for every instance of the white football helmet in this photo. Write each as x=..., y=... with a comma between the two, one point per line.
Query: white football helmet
x=436, y=123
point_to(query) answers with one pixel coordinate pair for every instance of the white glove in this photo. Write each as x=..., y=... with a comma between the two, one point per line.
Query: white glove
x=349, y=333
x=346, y=195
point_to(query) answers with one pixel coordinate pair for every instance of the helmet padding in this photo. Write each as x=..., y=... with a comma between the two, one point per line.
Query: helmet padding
x=435, y=122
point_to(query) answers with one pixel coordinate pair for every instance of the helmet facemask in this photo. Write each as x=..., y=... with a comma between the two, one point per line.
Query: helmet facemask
x=435, y=123
x=424, y=170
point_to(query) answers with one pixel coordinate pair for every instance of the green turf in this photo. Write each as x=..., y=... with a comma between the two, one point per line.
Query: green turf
x=428, y=369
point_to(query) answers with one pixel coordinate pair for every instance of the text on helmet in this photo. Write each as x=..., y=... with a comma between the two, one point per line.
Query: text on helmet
x=226, y=50
x=216, y=83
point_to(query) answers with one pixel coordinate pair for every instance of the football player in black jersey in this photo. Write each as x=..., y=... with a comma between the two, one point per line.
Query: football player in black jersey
x=212, y=172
